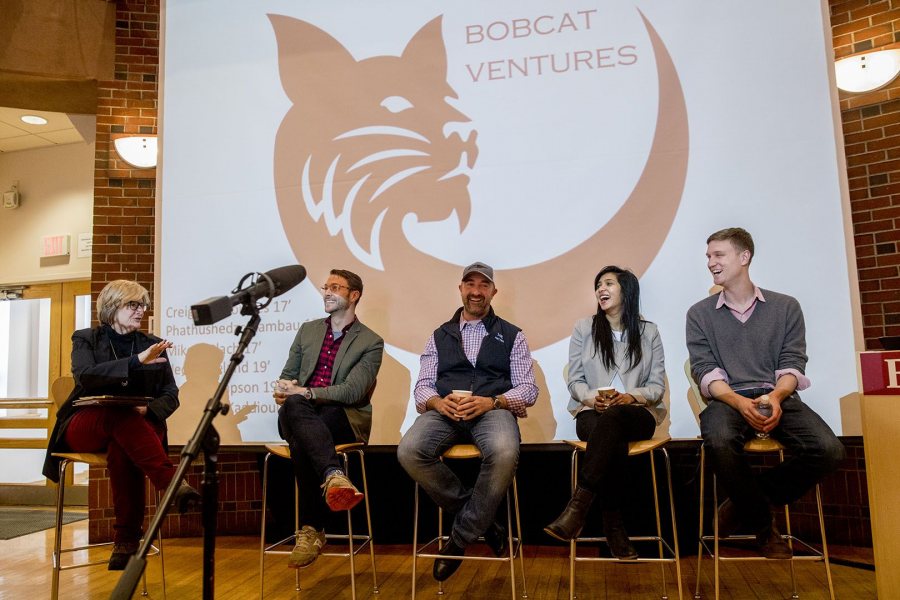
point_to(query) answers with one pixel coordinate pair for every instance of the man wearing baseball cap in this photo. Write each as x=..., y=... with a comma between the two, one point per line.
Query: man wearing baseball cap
x=475, y=379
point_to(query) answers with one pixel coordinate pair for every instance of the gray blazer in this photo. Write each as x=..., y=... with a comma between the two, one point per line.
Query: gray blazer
x=353, y=376
x=646, y=381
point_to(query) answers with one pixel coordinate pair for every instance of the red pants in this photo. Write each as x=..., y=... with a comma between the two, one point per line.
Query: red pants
x=133, y=447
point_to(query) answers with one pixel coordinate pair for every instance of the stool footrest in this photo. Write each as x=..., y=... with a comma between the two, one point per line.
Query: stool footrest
x=815, y=553
x=421, y=554
x=671, y=558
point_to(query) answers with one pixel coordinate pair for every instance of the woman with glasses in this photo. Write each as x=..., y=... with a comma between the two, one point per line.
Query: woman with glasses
x=116, y=359
x=614, y=349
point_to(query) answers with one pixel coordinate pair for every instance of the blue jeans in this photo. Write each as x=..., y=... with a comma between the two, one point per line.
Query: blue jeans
x=496, y=434
x=813, y=452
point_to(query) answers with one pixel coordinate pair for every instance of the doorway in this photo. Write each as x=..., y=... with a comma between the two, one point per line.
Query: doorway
x=36, y=325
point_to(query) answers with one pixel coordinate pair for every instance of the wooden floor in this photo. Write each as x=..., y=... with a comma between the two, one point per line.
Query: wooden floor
x=25, y=574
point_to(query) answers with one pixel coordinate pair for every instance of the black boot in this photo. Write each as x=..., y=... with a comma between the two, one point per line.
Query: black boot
x=616, y=536
x=568, y=525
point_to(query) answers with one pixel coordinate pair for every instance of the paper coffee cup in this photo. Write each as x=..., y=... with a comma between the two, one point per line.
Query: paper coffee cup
x=606, y=392
x=462, y=392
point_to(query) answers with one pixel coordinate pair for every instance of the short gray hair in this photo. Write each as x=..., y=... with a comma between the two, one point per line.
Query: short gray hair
x=116, y=294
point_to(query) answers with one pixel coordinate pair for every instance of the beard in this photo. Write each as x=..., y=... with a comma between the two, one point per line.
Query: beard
x=479, y=309
x=337, y=303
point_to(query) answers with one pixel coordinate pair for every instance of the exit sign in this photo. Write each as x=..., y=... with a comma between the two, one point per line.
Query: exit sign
x=54, y=245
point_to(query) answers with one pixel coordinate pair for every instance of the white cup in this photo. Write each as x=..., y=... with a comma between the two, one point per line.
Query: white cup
x=462, y=392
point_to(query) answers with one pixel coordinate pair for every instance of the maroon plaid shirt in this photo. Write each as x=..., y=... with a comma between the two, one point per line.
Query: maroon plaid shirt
x=321, y=375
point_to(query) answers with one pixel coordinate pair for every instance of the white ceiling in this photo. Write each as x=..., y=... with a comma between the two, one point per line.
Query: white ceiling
x=61, y=128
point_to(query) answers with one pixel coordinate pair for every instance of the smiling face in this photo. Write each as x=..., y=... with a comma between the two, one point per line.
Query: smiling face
x=727, y=264
x=476, y=291
x=337, y=295
x=609, y=294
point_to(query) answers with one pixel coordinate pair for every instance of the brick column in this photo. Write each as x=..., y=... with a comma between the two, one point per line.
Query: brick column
x=871, y=124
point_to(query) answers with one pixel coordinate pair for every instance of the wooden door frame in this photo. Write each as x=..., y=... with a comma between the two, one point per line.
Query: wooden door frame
x=62, y=321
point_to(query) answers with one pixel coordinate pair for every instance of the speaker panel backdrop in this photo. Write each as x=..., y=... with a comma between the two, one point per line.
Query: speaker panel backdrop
x=404, y=139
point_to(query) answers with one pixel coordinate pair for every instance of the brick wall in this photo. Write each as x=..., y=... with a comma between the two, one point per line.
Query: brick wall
x=871, y=124
x=124, y=200
x=239, y=500
x=124, y=196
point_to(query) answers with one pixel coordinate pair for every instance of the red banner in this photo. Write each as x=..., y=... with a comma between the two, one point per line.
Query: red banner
x=880, y=373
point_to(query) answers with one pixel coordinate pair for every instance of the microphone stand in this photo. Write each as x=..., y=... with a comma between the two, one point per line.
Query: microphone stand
x=206, y=438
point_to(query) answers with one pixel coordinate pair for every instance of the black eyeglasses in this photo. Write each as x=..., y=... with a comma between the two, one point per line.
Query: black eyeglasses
x=334, y=288
x=134, y=305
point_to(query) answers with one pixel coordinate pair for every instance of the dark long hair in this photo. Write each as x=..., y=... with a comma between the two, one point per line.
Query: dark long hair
x=631, y=319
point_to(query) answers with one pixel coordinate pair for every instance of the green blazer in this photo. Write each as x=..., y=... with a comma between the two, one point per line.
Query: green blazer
x=353, y=376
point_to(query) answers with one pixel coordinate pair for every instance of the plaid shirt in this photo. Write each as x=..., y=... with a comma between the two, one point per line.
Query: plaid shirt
x=524, y=391
x=321, y=375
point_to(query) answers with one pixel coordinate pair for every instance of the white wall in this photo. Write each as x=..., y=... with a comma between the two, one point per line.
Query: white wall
x=56, y=186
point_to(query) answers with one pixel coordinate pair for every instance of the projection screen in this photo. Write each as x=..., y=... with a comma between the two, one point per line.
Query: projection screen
x=404, y=139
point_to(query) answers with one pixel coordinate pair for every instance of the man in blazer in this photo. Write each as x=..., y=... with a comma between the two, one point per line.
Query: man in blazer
x=324, y=391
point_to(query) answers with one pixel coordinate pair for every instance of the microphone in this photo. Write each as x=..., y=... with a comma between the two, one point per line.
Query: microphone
x=269, y=284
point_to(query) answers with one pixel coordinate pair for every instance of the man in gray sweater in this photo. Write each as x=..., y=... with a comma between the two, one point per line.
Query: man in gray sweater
x=744, y=343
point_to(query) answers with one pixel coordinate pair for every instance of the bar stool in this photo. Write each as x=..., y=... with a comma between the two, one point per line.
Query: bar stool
x=757, y=446
x=343, y=450
x=93, y=460
x=634, y=449
x=469, y=452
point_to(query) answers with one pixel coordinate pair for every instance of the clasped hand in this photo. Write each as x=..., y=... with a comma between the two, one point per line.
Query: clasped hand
x=604, y=401
x=285, y=388
x=463, y=407
x=747, y=408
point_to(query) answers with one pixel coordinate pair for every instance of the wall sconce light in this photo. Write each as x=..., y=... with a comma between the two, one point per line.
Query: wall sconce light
x=137, y=150
x=868, y=71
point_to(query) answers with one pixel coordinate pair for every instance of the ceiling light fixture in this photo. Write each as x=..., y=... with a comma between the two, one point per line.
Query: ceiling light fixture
x=868, y=71
x=137, y=150
x=33, y=120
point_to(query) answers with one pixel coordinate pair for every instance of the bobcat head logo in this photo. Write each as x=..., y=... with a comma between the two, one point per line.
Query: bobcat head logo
x=369, y=144
x=377, y=139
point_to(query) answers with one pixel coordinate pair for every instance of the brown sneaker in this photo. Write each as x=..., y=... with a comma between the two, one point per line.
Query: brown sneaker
x=308, y=547
x=772, y=545
x=340, y=493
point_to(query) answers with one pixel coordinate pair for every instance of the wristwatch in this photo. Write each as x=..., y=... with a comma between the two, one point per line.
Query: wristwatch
x=498, y=404
x=308, y=394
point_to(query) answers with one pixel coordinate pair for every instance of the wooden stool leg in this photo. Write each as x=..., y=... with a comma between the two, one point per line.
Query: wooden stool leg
x=674, y=524
x=262, y=529
x=700, y=527
x=573, y=541
x=716, y=534
x=415, y=538
x=57, y=542
x=824, y=542
x=350, y=535
x=362, y=464
x=662, y=566
x=521, y=543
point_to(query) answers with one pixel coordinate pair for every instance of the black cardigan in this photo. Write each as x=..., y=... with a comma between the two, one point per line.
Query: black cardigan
x=97, y=371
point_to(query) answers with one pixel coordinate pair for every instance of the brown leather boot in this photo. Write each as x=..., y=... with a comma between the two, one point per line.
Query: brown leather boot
x=568, y=525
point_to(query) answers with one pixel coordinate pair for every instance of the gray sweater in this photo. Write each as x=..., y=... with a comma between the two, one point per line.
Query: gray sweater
x=773, y=338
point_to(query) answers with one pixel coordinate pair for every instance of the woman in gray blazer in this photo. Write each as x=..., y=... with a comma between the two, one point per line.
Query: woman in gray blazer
x=613, y=349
